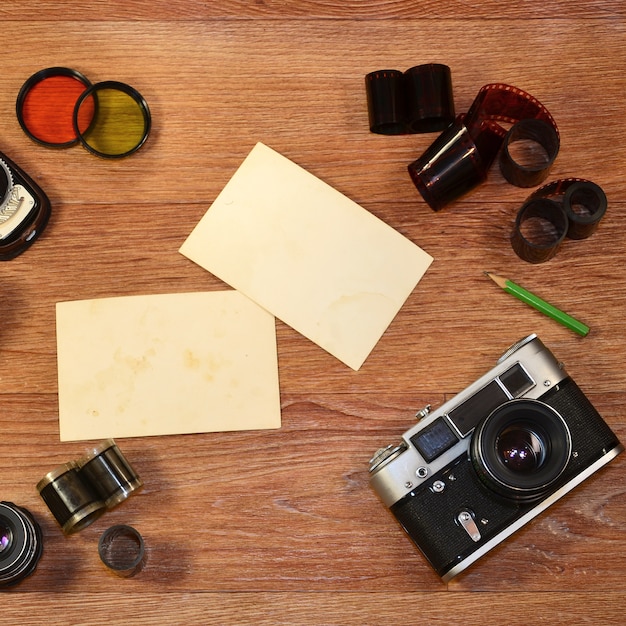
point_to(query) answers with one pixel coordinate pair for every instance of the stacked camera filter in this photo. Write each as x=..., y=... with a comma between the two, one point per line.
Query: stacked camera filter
x=58, y=107
x=79, y=492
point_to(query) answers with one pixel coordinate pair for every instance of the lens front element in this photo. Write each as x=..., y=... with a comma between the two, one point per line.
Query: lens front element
x=521, y=449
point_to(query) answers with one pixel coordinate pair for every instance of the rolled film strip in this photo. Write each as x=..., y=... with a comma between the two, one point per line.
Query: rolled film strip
x=540, y=228
x=460, y=158
x=584, y=201
x=542, y=146
x=568, y=207
x=121, y=549
x=419, y=100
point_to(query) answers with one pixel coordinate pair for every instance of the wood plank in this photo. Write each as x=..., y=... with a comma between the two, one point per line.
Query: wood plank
x=281, y=526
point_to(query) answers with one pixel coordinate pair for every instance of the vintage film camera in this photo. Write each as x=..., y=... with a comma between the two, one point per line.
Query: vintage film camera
x=492, y=458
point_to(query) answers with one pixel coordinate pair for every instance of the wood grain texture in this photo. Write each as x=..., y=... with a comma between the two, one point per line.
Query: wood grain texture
x=281, y=527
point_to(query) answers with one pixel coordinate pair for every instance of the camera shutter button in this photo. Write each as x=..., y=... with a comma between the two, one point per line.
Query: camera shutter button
x=466, y=520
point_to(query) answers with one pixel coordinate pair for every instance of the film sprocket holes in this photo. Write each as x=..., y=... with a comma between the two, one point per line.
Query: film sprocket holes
x=24, y=210
x=492, y=458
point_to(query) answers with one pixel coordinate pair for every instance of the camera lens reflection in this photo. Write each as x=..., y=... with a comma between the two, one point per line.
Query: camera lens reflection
x=5, y=538
x=520, y=449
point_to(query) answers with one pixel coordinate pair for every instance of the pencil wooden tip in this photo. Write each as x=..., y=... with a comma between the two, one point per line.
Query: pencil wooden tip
x=501, y=282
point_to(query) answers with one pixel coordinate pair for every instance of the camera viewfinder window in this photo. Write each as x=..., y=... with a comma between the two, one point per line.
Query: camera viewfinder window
x=434, y=440
x=516, y=380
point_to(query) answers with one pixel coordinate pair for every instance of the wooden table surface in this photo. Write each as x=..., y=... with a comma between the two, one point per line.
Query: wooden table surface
x=281, y=527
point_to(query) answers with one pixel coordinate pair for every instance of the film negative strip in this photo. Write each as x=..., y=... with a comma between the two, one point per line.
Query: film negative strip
x=544, y=141
x=419, y=100
x=459, y=159
x=568, y=207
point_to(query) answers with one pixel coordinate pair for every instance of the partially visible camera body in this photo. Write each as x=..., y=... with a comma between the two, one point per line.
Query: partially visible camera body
x=24, y=210
x=492, y=458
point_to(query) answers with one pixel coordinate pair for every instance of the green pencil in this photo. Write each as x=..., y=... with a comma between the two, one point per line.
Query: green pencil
x=541, y=305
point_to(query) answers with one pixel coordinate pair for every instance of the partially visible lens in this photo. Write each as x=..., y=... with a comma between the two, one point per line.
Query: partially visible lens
x=520, y=449
x=5, y=537
x=20, y=544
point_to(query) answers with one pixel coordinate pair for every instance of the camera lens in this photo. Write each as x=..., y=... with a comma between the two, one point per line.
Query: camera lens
x=521, y=449
x=5, y=537
x=20, y=544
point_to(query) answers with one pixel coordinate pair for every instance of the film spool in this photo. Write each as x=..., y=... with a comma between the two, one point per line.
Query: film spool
x=108, y=471
x=112, y=119
x=442, y=172
x=45, y=105
x=540, y=227
x=121, y=549
x=419, y=100
x=72, y=501
x=537, y=132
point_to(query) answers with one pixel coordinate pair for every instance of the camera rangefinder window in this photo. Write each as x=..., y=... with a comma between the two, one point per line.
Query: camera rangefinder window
x=434, y=440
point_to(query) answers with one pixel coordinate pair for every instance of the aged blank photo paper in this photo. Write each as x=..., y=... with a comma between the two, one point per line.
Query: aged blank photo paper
x=308, y=254
x=166, y=364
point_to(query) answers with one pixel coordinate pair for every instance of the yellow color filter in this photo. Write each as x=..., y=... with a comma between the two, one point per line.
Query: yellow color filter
x=118, y=123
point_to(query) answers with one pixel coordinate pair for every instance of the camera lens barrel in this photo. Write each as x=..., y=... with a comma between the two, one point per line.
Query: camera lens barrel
x=521, y=449
x=20, y=544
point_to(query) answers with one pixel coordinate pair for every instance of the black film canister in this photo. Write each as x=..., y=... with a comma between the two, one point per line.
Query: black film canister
x=121, y=549
x=429, y=98
x=585, y=204
x=73, y=501
x=540, y=227
x=449, y=167
x=386, y=102
x=110, y=474
x=543, y=141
